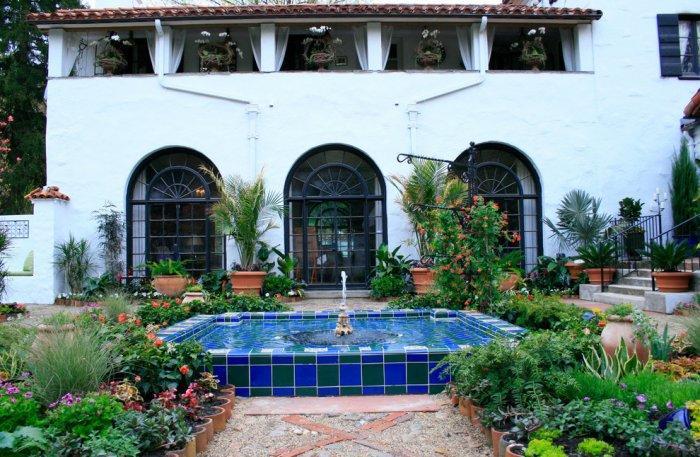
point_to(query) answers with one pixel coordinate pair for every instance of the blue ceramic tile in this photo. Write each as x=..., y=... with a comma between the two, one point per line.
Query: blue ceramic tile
x=305, y=375
x=328, y=391
x=373, y=390
x=395, y=373
x=260, y=376
x=282, y=391
x=350, y=374
x=416, y=389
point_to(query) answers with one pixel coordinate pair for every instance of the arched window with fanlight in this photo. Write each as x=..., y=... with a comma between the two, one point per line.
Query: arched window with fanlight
x=506, y=176
x=168, y=204
x=336, y=219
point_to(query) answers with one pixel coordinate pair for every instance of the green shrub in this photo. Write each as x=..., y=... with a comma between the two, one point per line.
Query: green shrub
x=542, y=312
x=111, y=442
x=685, y=185
x=387, y=286
x=693, y=325
x=15, y=341
x=18, y=409
x=156, y=428
x=59, y=319
x=70, y=362
x=114, y=305
x=164, y=312
x=23, y=442
x=543, y=448
x=414, y=302
x=276, y=284
x=94, y=413
x=546, y=434
x=591, y=447
x=620, y=310
x=167, y=267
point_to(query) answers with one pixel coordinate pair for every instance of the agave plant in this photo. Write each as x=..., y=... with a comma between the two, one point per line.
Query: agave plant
x=580, y=222
x=616, y=366
x=667, y=257
x=245, y=212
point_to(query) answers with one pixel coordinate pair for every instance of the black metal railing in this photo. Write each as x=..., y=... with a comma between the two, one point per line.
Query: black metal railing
x=687, y=232
x=630, y=240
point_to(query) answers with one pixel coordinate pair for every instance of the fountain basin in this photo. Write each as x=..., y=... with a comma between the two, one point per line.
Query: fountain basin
x=275, y=354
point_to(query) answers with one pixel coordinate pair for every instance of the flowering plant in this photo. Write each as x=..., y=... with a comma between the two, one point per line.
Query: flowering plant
x=319, y=48
x=430, y=51
x=110, y=55
x=17, y=407
x=13, y=308
x=532, y=50
x=217, y=56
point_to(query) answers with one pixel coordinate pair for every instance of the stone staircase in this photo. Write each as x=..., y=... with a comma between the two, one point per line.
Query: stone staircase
x=627, y=289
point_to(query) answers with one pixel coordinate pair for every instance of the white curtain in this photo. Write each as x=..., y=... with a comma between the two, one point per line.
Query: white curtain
x=568, y=49
x=71, y=48
x=151, y=41
x=360, y=34
x=387, y=32
x=686, y=49
x=254, y=33
x=281, y=36
x=85, y=63
x=138, y=227
x=178, y=48
x=464, y=40
x=491, y=34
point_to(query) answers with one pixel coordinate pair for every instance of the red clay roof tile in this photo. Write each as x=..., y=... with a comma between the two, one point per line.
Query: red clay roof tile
x=46, y=193
x=692, y=109
x=311, y=11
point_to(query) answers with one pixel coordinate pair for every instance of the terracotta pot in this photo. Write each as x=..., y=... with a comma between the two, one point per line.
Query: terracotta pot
x=514, y=450
x=171, y=286
x=676, y=281
x=189, y=450
x=465, y=407
x=423, y=279
x=454, y=398
x=509, y=282
x=616, y=331
x=575, y=269
x=487, y=434
x=476, y=415
x=3, y=317
x=203, y=433
x=594, y=275
x=218, y=418
x=228, y=391
x=192, y=296
x=496, y=441
x=506, y=440
x=227, y=404
x=247, y=282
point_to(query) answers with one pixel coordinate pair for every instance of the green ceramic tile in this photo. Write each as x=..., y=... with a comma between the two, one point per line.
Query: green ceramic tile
x=219, y=360
x=373, y=374
x=260, y=359
x=436, y=356
x=309, y=316
x=283, y=375
x=351, y=391
x=436, y=388
x=350, y=358
x=395, y=357
x=395, y=390
x=417, y=373
x=304, y=358
x=261, y=392
x=305, y=392
x=327, y=375
x=238, y=375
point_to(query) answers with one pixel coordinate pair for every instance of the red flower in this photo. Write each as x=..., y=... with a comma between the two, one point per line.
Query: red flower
x=151, y=336
x=122, y=318
x=158, y=343
x=185, y=370
x=155, y=304
x=166, y=305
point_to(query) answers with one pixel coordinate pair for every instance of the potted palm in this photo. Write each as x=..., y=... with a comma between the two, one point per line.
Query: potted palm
x=169, y=276
x=599, y=260
x=426, y=187
x=666, y=258
x=245, y=212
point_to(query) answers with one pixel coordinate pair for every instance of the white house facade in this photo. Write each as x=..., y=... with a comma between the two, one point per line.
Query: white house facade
x=601, y=115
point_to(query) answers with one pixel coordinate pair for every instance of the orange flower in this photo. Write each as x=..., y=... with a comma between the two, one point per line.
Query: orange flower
x=185, y=370
x=151, y=336
x=178, y=300
x=155, y=304
x=122, y=318
x=158, y=343
x=137, y=322
x=166, y=305
x=102, y=318
x=601, y=324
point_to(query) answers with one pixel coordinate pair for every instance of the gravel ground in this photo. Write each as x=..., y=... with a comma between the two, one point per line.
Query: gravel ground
x=37, y=313
x=443, y=433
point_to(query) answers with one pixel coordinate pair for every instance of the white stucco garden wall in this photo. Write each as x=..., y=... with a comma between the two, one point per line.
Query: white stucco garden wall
x=611, y=132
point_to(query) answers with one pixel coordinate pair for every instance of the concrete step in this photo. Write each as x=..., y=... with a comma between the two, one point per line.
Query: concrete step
x=612, y=298
x=641, y=273
x=335, y=294
x=635, y=281
x=643, y=263
x=628, y=290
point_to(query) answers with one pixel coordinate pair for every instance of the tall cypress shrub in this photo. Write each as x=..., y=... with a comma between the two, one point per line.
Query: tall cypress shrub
x=684, y=185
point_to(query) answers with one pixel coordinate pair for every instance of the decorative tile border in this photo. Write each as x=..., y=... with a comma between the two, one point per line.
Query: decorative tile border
x=333, y=371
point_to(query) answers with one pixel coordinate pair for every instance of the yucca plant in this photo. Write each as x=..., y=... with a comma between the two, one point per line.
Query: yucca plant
x=73, y=258
x=597, y=255
x=580, y=222
x=666, y=257
x=685, y=185
x=613, y=367
x=661, y=346
x=246, y=212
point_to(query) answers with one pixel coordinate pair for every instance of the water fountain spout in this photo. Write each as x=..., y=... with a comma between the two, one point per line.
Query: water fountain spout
x=343, y=327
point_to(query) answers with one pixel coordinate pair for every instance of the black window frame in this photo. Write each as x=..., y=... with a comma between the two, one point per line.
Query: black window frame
x=694, y=41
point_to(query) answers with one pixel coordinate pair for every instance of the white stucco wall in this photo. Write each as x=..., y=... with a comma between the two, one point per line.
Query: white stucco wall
x=611, y=132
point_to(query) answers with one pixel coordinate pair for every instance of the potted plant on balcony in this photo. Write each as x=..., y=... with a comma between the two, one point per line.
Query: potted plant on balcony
x=532, y=51
x=666, y=258
x=599, y=260
x=427, y=185
x=319, y=48
x=245, y=212
x=430, y=51
x=218, y=55
x=169, y=276
x=110, y=55
x=630, y=212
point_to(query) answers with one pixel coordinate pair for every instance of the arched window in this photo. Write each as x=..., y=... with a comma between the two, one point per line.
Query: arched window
x=168, y=202
x=506, y=176
x=336, y=219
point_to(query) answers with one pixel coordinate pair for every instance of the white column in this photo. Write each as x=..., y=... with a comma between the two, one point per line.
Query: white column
x=57, y=52
x=583, y=43
x=374, y=46
x=267, y=47
x=252, y=111
x=164, y=48
x=476, y=47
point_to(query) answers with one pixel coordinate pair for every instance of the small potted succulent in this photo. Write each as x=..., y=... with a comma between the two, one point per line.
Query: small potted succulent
x=319, y=48
x=665, y=259
x=217, y=55
x=532, y=51
x=430, y=52
x=169, y=276
x=110, y=54
x=599, y=260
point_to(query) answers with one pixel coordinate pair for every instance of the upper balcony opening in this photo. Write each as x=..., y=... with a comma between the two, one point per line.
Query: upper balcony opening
x=532, y=47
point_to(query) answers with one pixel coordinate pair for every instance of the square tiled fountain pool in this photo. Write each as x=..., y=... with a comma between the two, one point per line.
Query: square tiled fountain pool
x=297, y=353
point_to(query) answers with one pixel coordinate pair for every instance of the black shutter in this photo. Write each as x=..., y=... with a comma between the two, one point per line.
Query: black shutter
x=669, y=44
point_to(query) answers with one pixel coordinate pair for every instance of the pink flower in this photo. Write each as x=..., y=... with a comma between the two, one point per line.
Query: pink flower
x=28, y=395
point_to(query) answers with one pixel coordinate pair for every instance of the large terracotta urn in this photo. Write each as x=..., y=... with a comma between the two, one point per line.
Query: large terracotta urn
x=515, y=450
x=423, y=279
x=575, y=269
x=172, y=286
x=600, y=276
x=509, y=282
x=247, y=282
x=496, y=441
x=675, y=281
x=618, y=329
